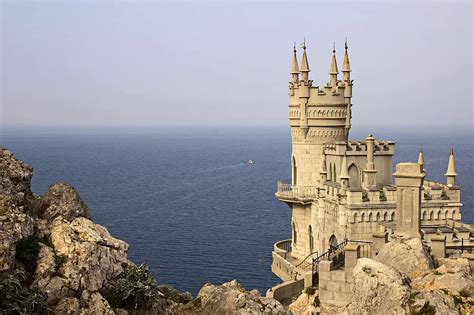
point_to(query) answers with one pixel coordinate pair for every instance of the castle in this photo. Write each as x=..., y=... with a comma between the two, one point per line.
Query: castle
x=341, y=191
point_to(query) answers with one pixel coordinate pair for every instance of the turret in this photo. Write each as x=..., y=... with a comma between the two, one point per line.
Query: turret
x=370, y=173
x=344, y=176
x=304, y=66
x=346, y=67
x=421, y=159
x=333, y=70
x=295, y=71
x=451, y=172
x=346, y=73
x=304, y=91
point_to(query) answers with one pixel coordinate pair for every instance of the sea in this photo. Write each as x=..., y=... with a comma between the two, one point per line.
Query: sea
x=186, y=202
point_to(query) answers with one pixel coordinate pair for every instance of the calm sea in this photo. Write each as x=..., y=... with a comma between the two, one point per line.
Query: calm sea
x=185, y=201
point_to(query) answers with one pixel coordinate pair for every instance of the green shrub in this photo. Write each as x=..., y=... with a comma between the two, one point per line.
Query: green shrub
x=135, y=288
x=17, y=298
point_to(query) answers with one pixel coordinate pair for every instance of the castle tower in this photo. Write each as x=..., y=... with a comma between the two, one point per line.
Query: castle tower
x=409, y=181
x=451, y=172
x=317, y=115
x=370, y=173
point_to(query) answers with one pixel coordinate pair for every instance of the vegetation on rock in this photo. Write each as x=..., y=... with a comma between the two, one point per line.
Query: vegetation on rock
x=17, y=298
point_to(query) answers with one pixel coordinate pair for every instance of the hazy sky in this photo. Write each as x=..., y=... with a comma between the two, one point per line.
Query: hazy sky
x=102, y=63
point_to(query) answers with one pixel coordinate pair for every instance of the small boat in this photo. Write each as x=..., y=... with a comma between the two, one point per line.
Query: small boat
x=248, y=162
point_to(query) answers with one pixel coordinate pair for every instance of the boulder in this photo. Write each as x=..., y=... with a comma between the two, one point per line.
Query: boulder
x=14, y=226
x=15, y=178
x=306, y=303
x=90, y=255
x=453, y=276
x=61, y=199
x=68, y=306
x=432, y=302
x=377, y=289
x=406, y=255
x=95, y=304
x=229, y=298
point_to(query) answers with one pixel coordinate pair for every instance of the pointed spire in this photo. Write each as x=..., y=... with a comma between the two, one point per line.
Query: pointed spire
x=451, y=169
x=346, y=67
x=294, y=66
x=421, y=159
x=304, y=61
x=333, y=69
x=344, y=173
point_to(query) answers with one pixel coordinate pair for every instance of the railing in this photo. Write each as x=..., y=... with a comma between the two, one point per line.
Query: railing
x=284, y=245
x=330, y=254
x=286, y=189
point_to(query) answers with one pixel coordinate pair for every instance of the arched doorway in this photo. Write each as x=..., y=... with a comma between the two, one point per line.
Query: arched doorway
x=311, y=239
x=332, y=241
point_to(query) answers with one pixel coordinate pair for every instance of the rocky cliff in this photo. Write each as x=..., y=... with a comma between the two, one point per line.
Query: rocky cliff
x=55, y=259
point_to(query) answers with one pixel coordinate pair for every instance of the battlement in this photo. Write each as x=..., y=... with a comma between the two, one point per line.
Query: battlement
x=356, y=147
x=434, y=193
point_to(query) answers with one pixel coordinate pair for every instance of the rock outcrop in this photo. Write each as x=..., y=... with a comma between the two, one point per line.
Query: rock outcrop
x=404, y=279
x=229, y=298
x=407, y=255
x=378, y=289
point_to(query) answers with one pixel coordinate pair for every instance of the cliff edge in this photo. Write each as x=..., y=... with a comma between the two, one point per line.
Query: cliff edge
x=55, y=259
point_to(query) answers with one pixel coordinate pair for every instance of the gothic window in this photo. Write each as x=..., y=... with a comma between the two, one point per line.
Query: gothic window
x=295, y=171
x=295, y=235
x=354, y=180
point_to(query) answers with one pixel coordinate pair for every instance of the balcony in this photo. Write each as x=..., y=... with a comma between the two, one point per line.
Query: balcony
x=287, y=192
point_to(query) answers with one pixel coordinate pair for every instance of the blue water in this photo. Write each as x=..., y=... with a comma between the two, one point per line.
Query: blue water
x=185, y=201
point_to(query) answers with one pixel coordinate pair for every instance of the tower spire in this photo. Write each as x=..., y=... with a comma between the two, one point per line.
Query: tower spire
x=346, y=67
x=304, y=64
x=421, y=158
x=294, y=67
x=333, y=69
x=451, y=172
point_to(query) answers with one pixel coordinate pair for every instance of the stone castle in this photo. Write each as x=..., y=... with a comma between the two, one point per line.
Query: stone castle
x=341, y=194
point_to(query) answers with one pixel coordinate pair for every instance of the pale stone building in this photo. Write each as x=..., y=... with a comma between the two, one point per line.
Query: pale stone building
x=343, y=190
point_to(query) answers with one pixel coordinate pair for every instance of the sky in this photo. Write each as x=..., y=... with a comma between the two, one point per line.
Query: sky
x=110, y=63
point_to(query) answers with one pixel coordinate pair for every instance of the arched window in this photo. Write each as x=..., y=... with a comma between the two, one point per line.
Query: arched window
x=295, y=235
x=377, y=217
x=295, y=171
x=354, y=180
x=311, y=239
x=392, y=217
x=385, y=216
x=356, y=217
x=362, y=217
x=370, y=217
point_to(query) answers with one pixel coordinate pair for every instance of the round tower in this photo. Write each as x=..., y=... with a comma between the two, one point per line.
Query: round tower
x=317, y=115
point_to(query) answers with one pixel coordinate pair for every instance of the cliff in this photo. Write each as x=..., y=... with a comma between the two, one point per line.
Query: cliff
x=55, y=259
